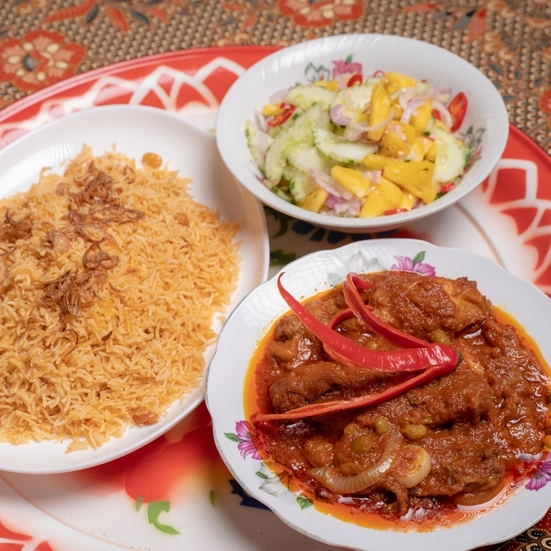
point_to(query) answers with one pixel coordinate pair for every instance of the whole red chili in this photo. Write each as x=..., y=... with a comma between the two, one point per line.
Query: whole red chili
x=432, y=360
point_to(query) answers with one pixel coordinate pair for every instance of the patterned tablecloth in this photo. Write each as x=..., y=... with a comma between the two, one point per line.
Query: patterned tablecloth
x=43, y=42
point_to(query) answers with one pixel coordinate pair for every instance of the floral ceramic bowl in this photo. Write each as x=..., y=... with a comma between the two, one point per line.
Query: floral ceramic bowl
x=310, y=275
x=483, y=130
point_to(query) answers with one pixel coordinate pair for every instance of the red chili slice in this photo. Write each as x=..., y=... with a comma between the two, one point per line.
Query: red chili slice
x=357, y=402
x=390, y=333
x=447, y=187
x=421, y=356
x=457, y=109
x=356, y=78
x=394, y=211
x=288, y=110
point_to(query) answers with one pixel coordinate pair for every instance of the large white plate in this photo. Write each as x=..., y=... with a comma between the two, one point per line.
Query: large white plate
x=310, y=275
x=135, y=130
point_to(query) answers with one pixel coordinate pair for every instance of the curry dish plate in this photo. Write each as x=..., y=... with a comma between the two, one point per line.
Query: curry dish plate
x=135, y=130
x=227, y=397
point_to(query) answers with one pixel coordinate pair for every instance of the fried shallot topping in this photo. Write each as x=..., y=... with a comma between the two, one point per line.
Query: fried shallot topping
x=93, y=205
x=144, y=417
x=12, y=229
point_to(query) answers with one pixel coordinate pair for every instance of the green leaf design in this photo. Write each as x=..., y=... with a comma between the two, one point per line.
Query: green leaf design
x=280, y=258
x=349, y=58
x=138, y=503
x=304, y=502
x=261, y=475
x=419, y=257
x=154, y=511
x=212, y=498
x=233, y=437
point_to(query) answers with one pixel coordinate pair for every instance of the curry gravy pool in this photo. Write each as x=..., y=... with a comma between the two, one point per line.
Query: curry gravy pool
x=435, y=455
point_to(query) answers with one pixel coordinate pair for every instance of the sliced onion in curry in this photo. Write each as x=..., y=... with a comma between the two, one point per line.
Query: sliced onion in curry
x=336, y=482
x=470, y=499
x=413, y=465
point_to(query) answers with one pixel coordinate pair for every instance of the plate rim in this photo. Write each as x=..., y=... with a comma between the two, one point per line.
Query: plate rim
x=195, y=396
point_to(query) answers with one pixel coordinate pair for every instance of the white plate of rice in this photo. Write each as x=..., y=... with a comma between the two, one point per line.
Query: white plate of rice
x=138, y=343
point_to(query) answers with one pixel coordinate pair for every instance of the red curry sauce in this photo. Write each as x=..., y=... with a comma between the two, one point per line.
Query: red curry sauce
x=473, y=422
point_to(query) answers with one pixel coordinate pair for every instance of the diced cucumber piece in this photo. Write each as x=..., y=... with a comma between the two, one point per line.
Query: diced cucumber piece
x=305, y=96
x=310, y=158
x=299, y=135
x=279, y=192
x=301, y=183
x=357, y=98
x=254, y=143
x=341, y=150
x=450, y=157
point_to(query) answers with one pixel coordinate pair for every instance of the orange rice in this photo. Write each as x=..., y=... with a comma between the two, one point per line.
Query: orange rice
x=118, y=349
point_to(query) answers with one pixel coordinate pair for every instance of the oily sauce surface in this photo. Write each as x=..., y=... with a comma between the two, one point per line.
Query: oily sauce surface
x=473, y=423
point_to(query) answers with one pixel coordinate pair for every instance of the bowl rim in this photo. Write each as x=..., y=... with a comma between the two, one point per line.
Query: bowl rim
x=227, y=118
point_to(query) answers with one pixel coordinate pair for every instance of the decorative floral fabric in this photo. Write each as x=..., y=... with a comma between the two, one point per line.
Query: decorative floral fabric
x=44, y=41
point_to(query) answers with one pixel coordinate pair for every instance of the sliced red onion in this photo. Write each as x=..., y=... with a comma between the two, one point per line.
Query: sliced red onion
x=340, y=207
x=443, y=111
x=381, y=124
x=278, y=96
x=351, y=207
x=337, y=117
x=260, y=121
x=353, y=131
x=341, y=81
x=410, y=109
x=327, y=183
x=440, y=94
x=406, y=96
x=376, y=176
x=264, y=140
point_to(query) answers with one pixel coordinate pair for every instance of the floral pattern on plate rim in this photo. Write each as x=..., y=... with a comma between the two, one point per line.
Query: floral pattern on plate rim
x=537, y=467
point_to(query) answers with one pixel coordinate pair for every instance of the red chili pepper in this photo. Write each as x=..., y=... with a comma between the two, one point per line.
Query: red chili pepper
x=385, y=330
x=288, y=110
x=332, y=339
x=350, y=352
x=394, y=211
x=447, y=187
x=457, y=109
x=356, y=78
x=359, y=401
x=436, y=114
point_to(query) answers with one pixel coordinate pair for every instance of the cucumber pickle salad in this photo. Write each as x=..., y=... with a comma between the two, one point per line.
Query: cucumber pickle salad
x=360, y=147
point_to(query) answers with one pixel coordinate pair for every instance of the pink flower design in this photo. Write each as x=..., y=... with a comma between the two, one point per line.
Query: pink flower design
x=415, y=264
x=542, y=476
x=346, y=67
x=243, y=439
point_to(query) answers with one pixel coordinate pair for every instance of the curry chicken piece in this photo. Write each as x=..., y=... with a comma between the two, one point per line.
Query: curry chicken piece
x=465, y=429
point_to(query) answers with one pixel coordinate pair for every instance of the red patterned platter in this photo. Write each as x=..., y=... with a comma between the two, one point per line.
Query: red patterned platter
x=170, y=494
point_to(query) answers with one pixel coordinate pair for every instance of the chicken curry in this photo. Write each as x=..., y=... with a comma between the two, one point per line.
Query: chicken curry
x=396, y=392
